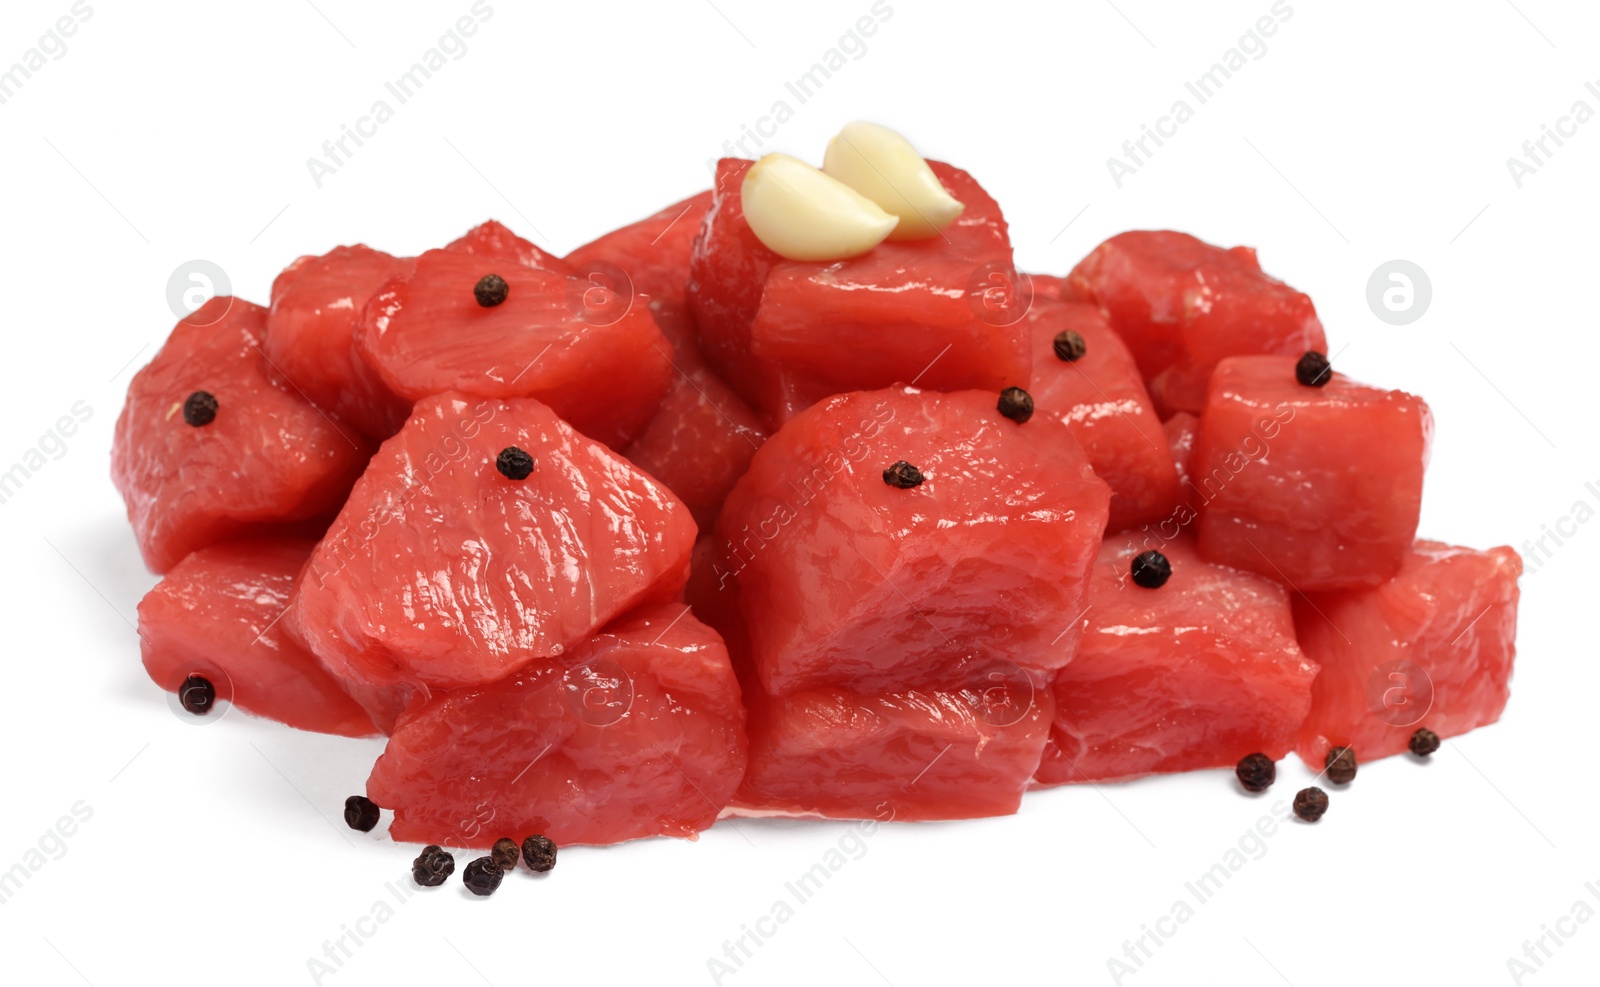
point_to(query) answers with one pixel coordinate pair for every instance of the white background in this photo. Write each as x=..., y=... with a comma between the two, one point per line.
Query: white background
x=1367, y=131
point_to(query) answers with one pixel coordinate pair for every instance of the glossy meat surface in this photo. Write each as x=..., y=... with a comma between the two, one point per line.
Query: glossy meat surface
x=493, y=240
x=653, y=253
x=1194, y=674
x=598, y=359
x=636, y=732
x=442, y=572
x=847, y=581
x=218, y=614
x=1433, y=647
x=703, y=436
x=906, y=310
x=316, y=307
x=267, y=461
x=1182, y=305
x=1317, y=487
x=1102, y=401
x=784, y=334
x=907, y=755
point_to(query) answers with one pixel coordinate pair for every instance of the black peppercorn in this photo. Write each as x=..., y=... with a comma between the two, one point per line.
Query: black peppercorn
x=491, y=290
x=539, y=853
x=1424, y=742
x=1310, y=804
x=1256, y=772
x=1313, y=369
x=1070, y=346
x=360, y=813
x=505, y=853
x=903, y=475
x=199, y=409
x=197, y=695
x=1340, y=765
x=513, y=463
x=1151, y=569
x=1016, y=404
x=482, y=876
x=433, y=866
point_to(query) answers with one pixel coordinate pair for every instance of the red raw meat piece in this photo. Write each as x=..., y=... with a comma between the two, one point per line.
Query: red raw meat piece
x=1195, y=674
x=217, y=614
x=637, y=731
x=1182, y=305
x=937, y=312
x=1433, y=647
x=442, y=572
x=653, y=253
x=383, y=703
x=268, y=461
x=703, y=436
x=1317, y=487
x=1181, y=430
x=847, y=581
x=908, y=755
x=316, y=306
x=598, y=359
x=1102, y=401
x=728, y=269
x=492, y=240
x=902, y=311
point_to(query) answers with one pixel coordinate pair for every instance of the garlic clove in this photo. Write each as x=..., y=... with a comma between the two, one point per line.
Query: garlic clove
x=884, y=167
x=803, y=214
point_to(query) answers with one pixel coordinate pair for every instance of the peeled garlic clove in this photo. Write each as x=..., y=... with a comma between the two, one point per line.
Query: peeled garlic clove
x=803, y=214
x=884, y=167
